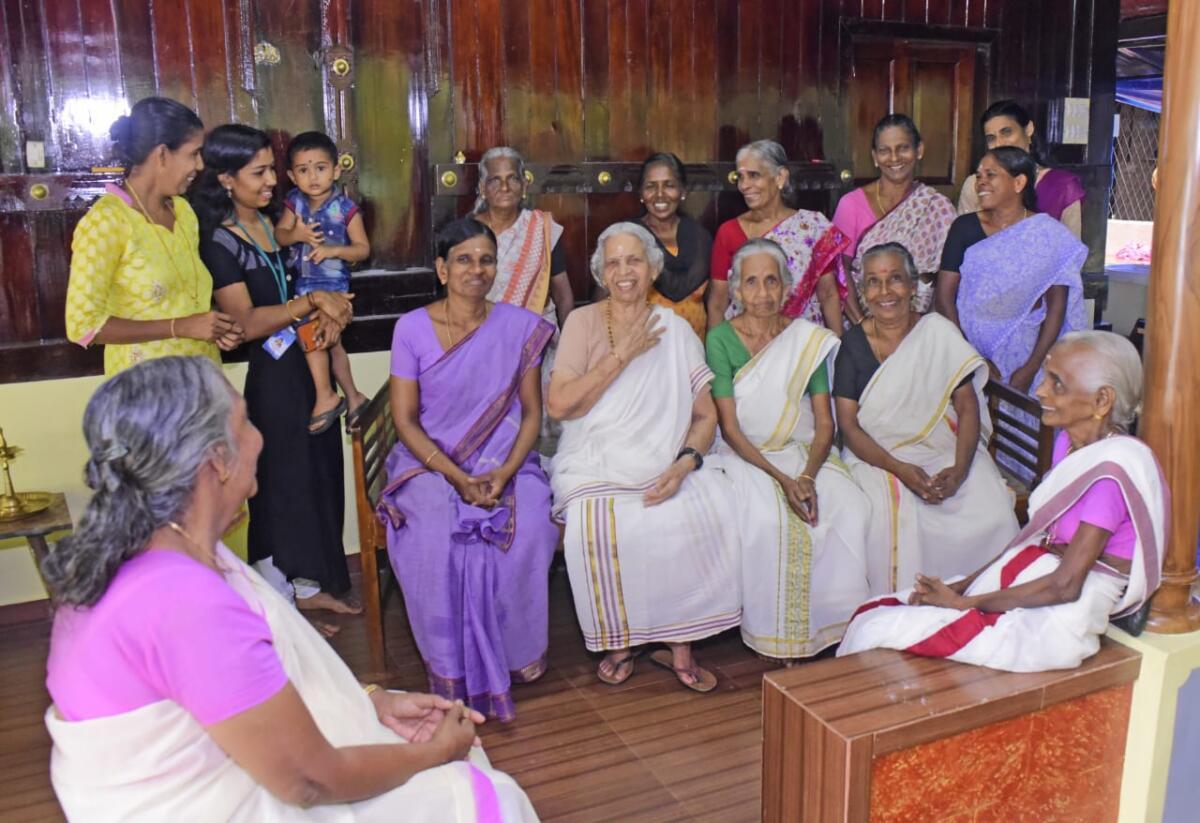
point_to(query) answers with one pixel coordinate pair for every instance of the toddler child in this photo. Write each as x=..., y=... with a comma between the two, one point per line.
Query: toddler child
x=325, y=230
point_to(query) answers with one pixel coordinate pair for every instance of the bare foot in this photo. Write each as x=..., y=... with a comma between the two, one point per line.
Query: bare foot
x=325, y=600
x=327, y=630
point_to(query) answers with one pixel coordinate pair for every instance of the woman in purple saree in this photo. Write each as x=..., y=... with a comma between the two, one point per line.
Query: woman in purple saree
x=467, y=504
x=1010, y=277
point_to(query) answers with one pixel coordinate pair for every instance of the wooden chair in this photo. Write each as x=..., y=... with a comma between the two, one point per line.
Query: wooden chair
x=371, y=442
x=1030, y=447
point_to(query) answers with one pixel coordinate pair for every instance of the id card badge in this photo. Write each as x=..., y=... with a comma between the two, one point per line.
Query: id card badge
x=280, y=342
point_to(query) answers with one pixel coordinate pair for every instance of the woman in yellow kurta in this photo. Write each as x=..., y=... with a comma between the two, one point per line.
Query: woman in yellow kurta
x=137, y=284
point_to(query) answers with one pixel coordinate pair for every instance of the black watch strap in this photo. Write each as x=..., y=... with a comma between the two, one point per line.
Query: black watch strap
x=699, y=458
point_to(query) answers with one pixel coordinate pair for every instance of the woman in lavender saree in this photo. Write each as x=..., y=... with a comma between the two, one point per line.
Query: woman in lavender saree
x=1093, y=547
x=467, y=505
x=1010, y=277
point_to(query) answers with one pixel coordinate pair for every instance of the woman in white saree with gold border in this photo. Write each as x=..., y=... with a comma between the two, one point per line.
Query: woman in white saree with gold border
x=909, y=396
x=185, y=687
x=801, y=517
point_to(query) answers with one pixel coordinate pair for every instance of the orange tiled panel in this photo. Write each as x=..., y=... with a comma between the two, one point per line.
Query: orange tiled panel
x=1059, y=764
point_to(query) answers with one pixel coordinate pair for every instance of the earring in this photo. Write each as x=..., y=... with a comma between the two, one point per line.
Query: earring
x=229, y=193
x=1097, y=416
x=223, y=477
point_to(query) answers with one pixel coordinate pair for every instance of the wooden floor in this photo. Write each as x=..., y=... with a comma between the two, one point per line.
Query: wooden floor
x=648, y=750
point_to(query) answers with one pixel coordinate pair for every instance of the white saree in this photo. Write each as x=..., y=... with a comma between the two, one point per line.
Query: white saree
x=157, y=763
x=664, y=573
x=1046, y=637
x=906, y=408
x=800, y=583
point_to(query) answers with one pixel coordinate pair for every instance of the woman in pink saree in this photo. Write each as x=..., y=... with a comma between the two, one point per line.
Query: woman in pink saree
x=895, y=208
x=467, y=505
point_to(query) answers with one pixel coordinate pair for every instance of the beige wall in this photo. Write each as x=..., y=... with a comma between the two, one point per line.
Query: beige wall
x=44, y=418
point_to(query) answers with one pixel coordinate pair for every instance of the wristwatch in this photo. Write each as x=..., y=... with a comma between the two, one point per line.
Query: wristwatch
x=694, y=454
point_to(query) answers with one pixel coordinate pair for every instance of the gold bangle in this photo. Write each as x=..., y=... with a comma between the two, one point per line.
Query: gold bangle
x=812, y=480
x=432, y=454
x=288, y=307
x=172, y=328
x=371, y=688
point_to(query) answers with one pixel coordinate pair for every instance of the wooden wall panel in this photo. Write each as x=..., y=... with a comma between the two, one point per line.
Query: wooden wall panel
x=564, y=82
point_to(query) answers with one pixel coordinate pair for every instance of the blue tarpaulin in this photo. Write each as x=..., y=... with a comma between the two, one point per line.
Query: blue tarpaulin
x=1143, y=92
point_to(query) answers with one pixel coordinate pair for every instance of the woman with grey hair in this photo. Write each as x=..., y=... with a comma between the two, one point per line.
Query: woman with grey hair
x=771, y=387
x=170, y=657
x=814, y=246
x=531, y=265
x=909, y=397
x=1093, y=547
x=632, y=389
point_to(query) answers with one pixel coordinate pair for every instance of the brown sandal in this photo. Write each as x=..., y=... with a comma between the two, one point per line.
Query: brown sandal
x=616, y=678
x=703, y=680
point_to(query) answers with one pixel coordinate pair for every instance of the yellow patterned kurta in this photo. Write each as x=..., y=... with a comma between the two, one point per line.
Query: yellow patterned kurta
x=120, y=268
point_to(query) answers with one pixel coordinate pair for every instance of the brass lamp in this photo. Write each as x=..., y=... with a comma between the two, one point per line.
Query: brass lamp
x=14, y=505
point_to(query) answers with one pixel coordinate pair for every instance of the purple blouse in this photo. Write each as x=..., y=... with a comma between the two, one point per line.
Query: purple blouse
x=167, y=628
x=1102, y=505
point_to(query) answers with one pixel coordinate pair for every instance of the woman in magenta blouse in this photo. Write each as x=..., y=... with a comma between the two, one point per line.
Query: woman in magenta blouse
x=1092, y=550
x=184, y=686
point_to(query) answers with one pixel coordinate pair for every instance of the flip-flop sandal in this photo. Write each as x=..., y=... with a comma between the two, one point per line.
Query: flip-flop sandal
x=325, y=420
x=353, y=415
x=703, y=680
x=616, y=678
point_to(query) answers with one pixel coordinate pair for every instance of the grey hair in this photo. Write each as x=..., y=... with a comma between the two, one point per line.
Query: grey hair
x=759, y=245
x=149, y=429
x=1115, y=363
x=773, y=156
x=496, y=153
x=654, y=255
x=898, y=249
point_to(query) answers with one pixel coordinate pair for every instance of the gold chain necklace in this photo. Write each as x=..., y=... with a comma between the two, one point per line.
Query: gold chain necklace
x=450, y=332
x=193, y=543
x=180, y=279
x=612, y=343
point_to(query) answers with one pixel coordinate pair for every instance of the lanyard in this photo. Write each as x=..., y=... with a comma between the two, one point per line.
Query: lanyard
x=278, y=273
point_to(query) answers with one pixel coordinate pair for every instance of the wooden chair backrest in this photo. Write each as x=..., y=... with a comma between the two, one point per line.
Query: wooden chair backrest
x=1030, y=447
x=371, y=443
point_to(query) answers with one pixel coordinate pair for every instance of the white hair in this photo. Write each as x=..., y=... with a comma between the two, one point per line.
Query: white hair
x=1115, y=363
x=497, y=153
x=772, y=155
x=759, y=245
x=901, y=252
x=654, y=255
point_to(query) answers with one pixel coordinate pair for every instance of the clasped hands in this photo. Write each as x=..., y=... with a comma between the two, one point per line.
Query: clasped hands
x=931, y=591
x=801, y=496
x=334, y=312
x=482, y=490
x=425, y=718
x=942, y=486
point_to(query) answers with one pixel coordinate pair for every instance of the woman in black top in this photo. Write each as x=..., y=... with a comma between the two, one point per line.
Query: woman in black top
x=685, y=244
x=296, y=516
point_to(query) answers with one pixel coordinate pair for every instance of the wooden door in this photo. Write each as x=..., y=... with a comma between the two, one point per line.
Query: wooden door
x=932, y=82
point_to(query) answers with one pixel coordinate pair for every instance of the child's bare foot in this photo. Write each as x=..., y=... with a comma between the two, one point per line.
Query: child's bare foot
x=325, y=600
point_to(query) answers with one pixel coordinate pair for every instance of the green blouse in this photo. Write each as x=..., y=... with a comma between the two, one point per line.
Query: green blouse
x=726, y=354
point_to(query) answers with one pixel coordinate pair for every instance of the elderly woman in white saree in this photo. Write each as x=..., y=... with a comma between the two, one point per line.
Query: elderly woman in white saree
x=1093, y=547
x=651, y=544
x=909, y=397
x=184, y=686
x=801, y=517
